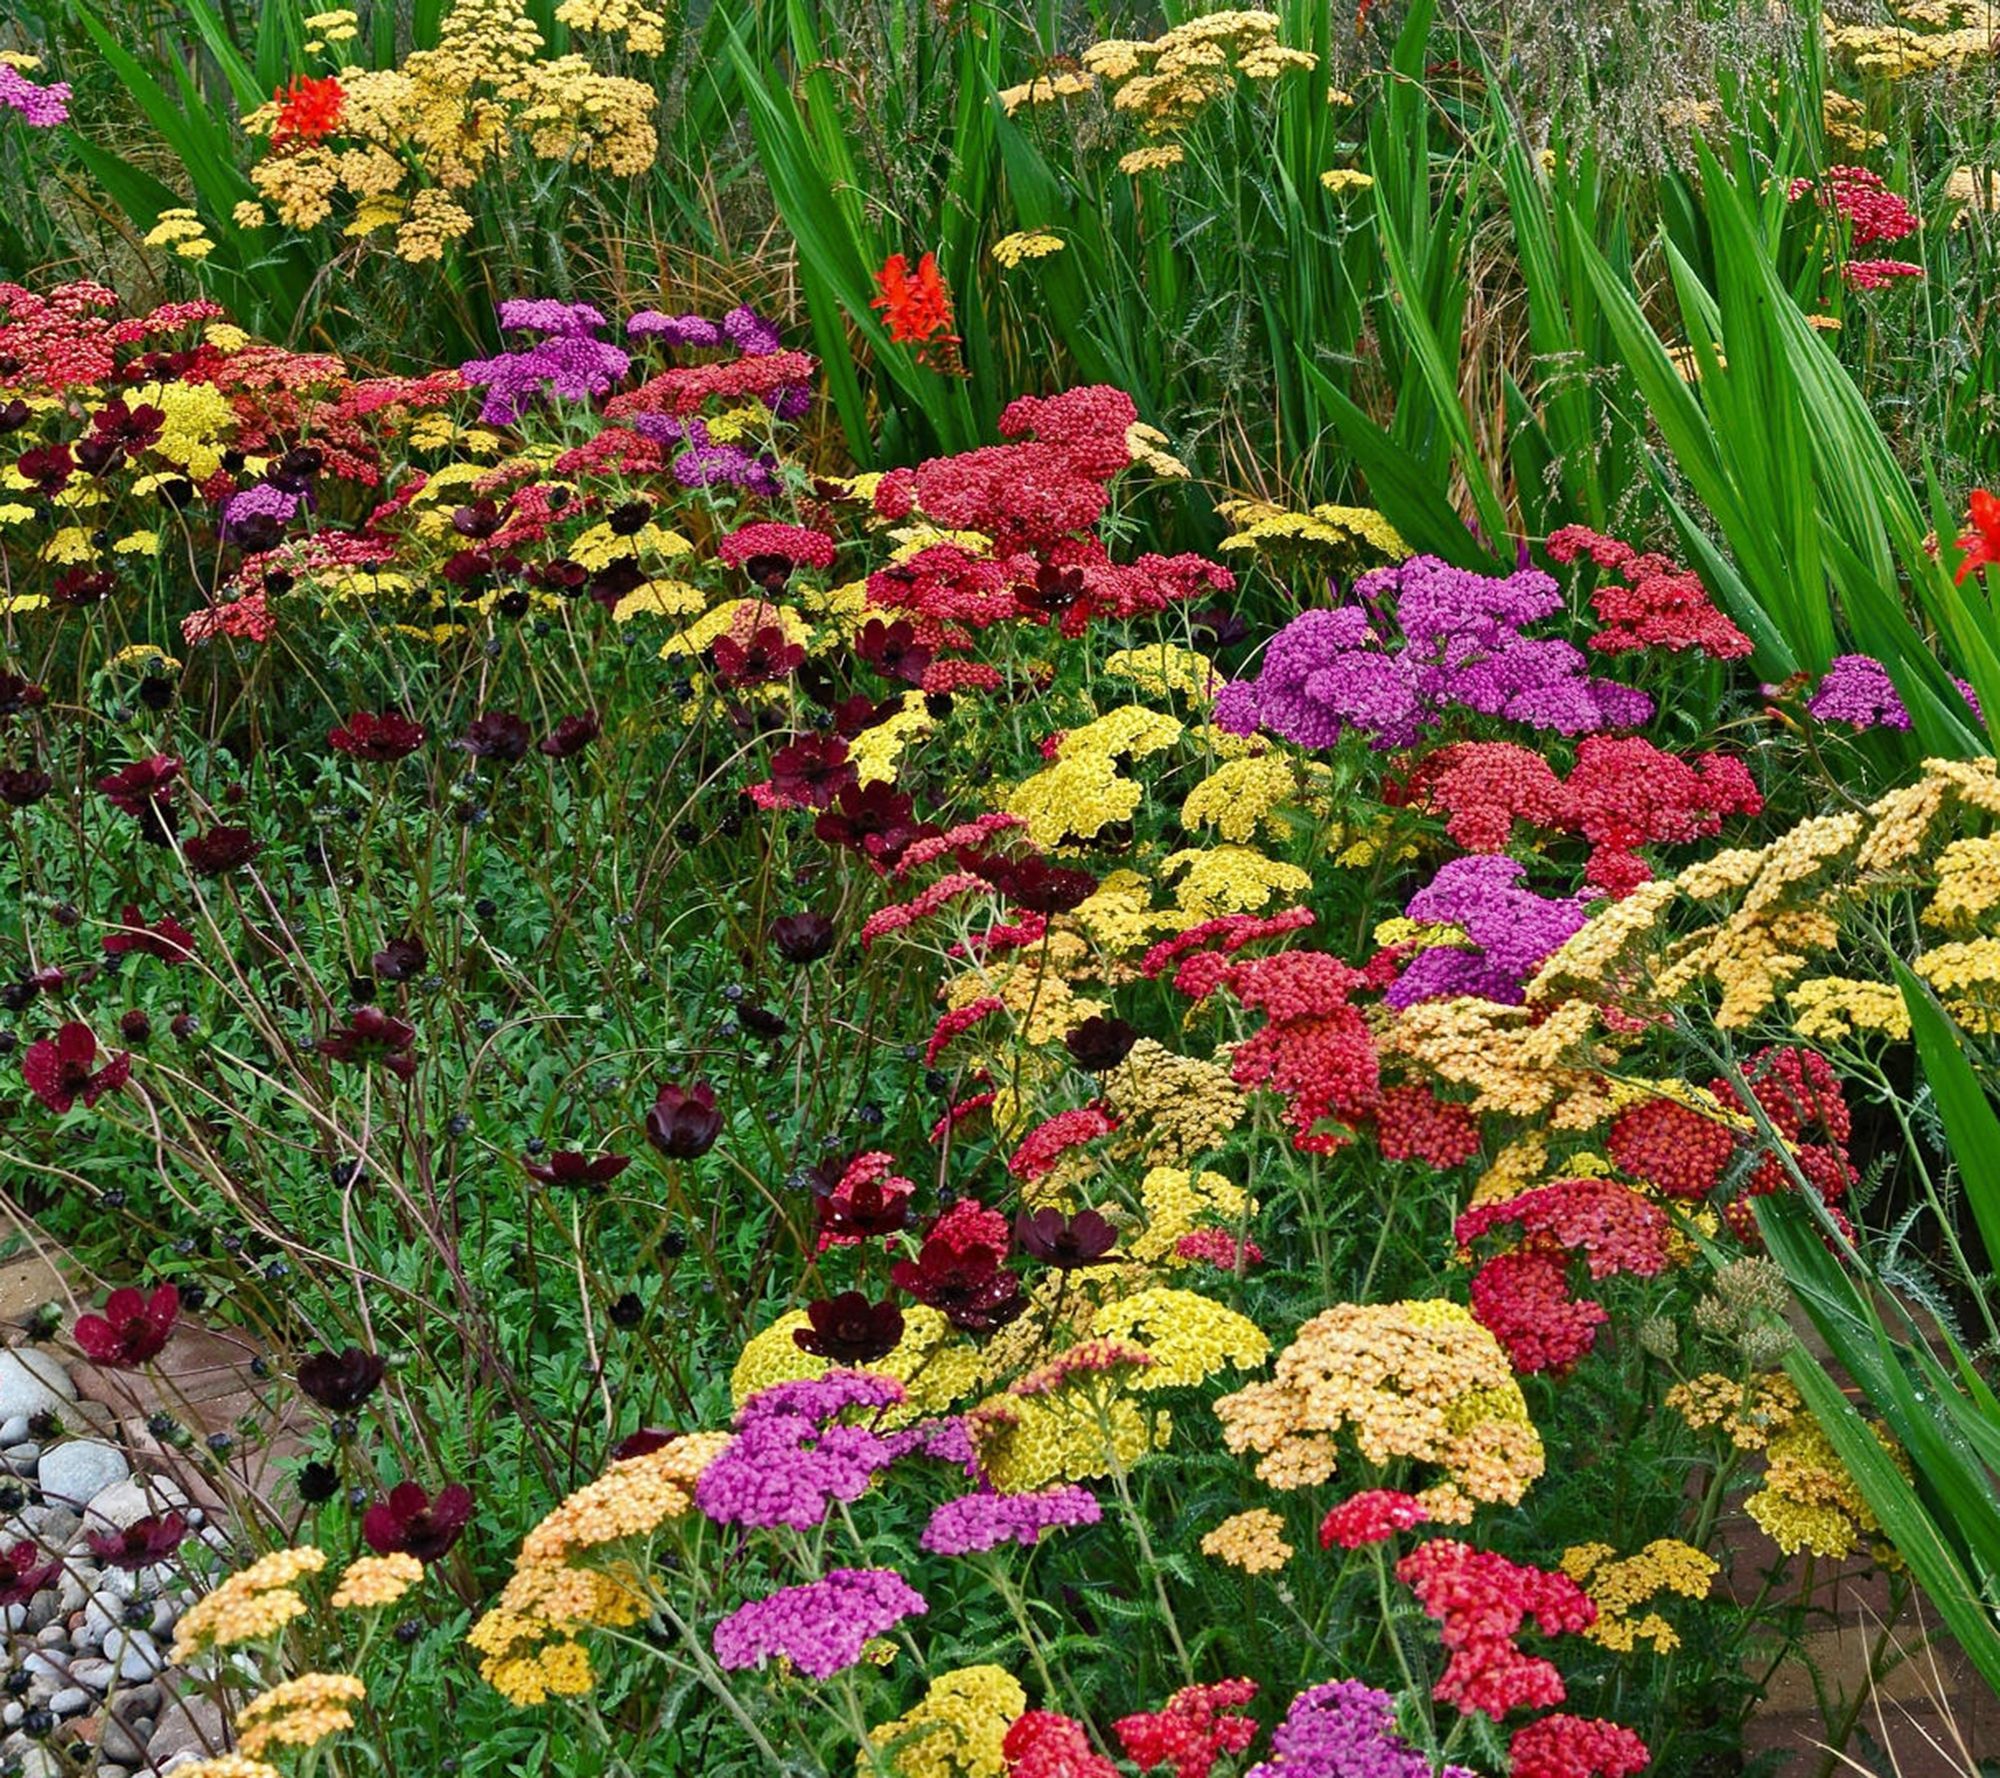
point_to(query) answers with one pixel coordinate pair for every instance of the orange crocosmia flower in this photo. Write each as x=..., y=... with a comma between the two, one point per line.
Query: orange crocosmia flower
x=915, y=304
x=1982, y=543
x=308, y=110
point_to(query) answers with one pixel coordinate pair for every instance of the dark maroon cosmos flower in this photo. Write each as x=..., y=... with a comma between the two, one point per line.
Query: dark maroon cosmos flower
x=1099, y=1044
x=876, y=820
x=572, y=735
x=849, y=1329
x=23, y=1573
x=500, y=736
x=642, y=1443
x=59, y=1070
x=221, y=850
x=23, y=787
x=969, y=1288
x=18, y=694
x=400, y=960
x=811, y=771
x=133, y=1328
x=373, y=1035
x=380, y=739
x=802, y=938
x=411, y=1522
x=1065, y=1242
x=683, y=1122
x=341, y=1381
x=142, y=1543
x=144, y=790
x=166, y=938
x=764, y=658
x=1037, y=885
x=893, y=650
x=574, y=1169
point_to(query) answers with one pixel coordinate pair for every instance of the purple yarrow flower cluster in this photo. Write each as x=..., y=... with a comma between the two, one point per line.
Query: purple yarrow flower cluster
x=569, y=362
x=742, y=328
x=706, y=464
x=263, y=501
x=791, y=1458
x=1513, y=931
x=946, y=1439
x=1344, y=1730
x=1461, y=647
x=820, y=1627
x=42, y=106
x=1858, y=691
x=544, y=314
x=984, y=1521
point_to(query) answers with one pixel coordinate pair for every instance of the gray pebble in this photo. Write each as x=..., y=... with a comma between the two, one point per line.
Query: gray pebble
x=22, y=1459
x=92, y=1671
x=79, y=1470
x=32, y=1382
x=13, y=1713
x=53, y=1635
x=137, y=1654
x=70, y=1700
x=13, y=1429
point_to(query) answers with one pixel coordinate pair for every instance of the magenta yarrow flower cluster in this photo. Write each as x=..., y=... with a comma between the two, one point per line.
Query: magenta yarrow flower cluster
x=819, y=1627
x=983, y=1521
x=792, y=1459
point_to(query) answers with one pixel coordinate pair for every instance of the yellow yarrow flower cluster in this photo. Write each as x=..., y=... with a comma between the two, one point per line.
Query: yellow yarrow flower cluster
x=250, y=1605
x=229, y=1765
x=1619, y=1585
x=1262, y=526
x=1076, y=1433
x=1160, y=668
x=1171, y=1108
x=1809, y=1501
x=1829, y=1008
x=1011, y=250
x=1416, y=1381
x=412, y=139
x=1175, y=1202
x=934, y=1362
x=1167, y=82
x=643, y=27
x=182, y=230
x=1043, y=89
x=299, y=1712
x=528, y=1640
x=953, y=1731
x=1252, y=1541
x=1241, y=796
x=1749, y=1413
x=1230, y=880
x=1189, y=1337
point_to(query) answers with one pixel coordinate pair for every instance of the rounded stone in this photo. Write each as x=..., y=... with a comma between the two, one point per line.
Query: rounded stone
x=32, y=1382
x=77, y=1471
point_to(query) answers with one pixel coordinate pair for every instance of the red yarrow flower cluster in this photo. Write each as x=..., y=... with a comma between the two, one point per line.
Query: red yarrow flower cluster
x=1874, y=214
x=1563, y=1746
x=1481, y=1602
x=1314, y=1050
x=1195, y=1728
x=1413, y=1124
x=1655, y=603
x=1523, y=1300
x=1621, y=794
x=1046, y=1744
x=1672, y=1148
x=1049, y=1141
x=1373, y=1516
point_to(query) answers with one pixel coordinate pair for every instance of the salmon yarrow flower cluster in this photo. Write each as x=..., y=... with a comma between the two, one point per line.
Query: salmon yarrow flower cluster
x=1416, y=1382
